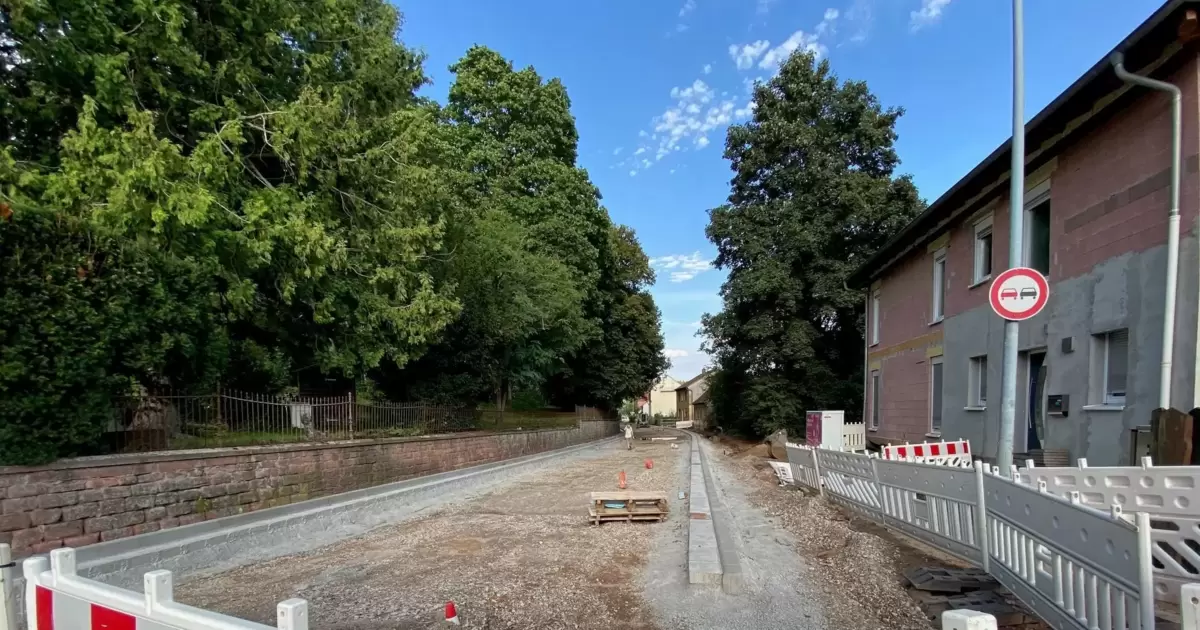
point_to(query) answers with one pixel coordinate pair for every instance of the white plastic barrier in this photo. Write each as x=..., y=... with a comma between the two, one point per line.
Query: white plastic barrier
x=955, y=453
x=1169, y=494
x=1075, y=566
x=56, y=598
x=683, y=424
x=804, y=465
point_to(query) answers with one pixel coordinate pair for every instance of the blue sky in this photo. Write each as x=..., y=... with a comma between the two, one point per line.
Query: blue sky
x=655, y=83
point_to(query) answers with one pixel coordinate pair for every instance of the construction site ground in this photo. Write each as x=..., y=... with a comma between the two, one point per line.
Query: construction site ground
x=524, y=556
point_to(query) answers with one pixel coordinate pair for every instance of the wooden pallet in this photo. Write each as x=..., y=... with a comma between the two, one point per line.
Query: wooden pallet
x=636, y=506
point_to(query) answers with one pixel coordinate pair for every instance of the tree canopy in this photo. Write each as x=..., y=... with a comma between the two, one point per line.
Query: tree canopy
x=814, y=193
x=195, y=193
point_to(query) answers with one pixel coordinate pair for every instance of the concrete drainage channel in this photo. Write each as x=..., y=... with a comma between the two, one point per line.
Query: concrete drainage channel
x=712, y=553
x=221, y=544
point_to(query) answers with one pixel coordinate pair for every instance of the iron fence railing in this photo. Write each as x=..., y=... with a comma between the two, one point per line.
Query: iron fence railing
x=172, y=421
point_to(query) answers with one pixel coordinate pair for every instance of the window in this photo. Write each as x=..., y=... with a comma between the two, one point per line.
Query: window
x=939, y=286
x=1111, y=367
x=977, y=397
x=935, y=397
x=875, y=391
x=874, y=317
x=983, y=251
x=1037, y=236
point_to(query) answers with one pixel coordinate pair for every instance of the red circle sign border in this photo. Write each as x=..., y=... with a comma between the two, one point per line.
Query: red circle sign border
x=1043, y=293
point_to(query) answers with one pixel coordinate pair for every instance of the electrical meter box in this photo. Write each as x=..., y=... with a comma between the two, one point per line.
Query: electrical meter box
x=823, y=429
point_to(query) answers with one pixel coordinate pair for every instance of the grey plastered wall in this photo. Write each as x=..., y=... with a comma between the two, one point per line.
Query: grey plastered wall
x=1126, y=291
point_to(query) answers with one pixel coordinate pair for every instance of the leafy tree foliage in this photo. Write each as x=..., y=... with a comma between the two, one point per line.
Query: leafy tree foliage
x=814, y=193
x=195, y=192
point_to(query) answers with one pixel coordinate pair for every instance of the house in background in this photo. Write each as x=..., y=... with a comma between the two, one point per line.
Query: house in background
x=661, y=399
x=686, y=396
x=1095, y=208
x=700, y=411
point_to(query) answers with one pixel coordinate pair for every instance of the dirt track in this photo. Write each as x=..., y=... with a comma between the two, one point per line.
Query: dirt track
x=520, y=557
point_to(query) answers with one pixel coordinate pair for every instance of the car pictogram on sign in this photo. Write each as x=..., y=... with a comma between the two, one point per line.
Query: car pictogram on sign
x=1029, y=292
x=1009, y=294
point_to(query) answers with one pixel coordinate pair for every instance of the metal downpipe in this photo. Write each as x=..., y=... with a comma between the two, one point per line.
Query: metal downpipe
x=1168, y=334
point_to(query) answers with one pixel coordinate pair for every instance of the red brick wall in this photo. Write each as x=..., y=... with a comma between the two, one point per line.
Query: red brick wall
x=905, y=335
x=78, y=502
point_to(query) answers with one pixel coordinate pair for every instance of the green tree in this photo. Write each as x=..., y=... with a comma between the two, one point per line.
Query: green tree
x=627, y=357
x=814, y=193
x=255, y=185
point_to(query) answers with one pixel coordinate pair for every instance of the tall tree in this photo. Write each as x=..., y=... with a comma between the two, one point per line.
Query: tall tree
x=627, y=357
x=814, y=193
x=256, y=185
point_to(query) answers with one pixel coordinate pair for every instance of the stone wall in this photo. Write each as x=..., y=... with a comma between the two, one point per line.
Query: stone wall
x=81, y=501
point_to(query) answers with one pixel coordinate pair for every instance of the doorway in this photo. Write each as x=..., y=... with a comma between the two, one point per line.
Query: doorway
x=1035, y=409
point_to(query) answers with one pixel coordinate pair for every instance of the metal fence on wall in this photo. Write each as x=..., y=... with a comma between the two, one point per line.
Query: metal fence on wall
x=172, y=420
x=1075, y=566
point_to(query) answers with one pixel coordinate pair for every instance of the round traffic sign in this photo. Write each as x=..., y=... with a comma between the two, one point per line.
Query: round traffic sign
x=1019, y=293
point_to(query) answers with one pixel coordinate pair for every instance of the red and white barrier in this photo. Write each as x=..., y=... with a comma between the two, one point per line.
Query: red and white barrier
x=56, y=598
x=956, y=453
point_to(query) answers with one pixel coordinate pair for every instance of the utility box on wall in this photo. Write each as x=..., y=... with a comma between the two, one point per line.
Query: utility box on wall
x=823, y=429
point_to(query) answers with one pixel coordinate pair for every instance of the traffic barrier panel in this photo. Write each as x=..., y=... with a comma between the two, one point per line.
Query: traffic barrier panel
x=804, y=465
x=937, y=504
x=1169, y=494
x=1077, y=567
x=57, y=598
x=954, y=453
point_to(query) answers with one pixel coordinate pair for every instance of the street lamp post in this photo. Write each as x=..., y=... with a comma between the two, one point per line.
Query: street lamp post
x=1016, y=200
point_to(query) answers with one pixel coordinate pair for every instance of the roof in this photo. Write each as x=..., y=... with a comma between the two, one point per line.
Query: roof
x=1148, y=43
x=693, y=381
x=702, y=399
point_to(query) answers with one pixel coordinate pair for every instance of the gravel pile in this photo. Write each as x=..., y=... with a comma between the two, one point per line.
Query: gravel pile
x=859, y=572
x=523, y=556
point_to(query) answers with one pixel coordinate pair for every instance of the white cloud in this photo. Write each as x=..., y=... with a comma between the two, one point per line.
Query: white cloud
x=745, y=112
x=860, y=17
x=679, y=28
x=682, y=267
x=764, y=6
x=687, y=8
x=769, y=58
x=617, y=151
x=643, y=134
x=702, y=142
x=640, y=151
x=707, y=68
x=675, y=353
x=744, y=56
x=929, y=13
x=633, y=173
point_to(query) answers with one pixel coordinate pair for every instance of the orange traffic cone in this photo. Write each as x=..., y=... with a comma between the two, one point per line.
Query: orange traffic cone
x=621, y=480
x=451, y=613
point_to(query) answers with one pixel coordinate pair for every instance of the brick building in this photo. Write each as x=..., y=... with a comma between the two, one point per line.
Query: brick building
x=1096, y=207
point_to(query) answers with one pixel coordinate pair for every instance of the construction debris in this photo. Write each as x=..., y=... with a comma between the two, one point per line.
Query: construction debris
x=944, y=580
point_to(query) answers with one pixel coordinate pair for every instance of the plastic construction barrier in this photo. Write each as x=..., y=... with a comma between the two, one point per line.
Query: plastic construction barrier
x=956, y=453
x=56, y=598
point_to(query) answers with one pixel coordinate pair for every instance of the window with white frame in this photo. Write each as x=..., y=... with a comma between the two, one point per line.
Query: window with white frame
x=935, y=395
x=874, y=317
x=939, y=286
x=1110, y=367
x=977, y=379
x=983, y=251
x=875, y=392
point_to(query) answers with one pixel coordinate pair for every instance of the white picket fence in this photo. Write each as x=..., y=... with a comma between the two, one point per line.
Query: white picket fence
x=1076, y=566
x=854, y=436
x=1169, y=494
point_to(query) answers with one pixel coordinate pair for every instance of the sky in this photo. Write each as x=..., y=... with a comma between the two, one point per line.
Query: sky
x=654, y=84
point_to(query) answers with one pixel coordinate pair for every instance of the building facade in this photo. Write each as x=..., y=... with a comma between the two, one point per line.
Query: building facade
x=662, y=398
x=1095, y=210
x=686, y=396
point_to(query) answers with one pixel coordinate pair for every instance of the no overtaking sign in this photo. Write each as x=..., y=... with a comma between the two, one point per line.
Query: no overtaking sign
x=1019, y=293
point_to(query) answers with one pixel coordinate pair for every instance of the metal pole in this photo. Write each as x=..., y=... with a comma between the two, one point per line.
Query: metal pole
x=1016, y=232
